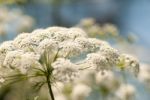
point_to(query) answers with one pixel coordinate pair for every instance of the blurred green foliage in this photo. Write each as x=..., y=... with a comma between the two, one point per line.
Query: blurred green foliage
x=12, y=1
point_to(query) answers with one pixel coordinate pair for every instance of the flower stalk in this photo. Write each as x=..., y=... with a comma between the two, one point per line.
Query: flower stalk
x=50, y=88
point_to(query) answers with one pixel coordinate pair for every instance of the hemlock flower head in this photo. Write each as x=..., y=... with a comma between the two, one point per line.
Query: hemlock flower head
x=67, y=42
x=47, y=56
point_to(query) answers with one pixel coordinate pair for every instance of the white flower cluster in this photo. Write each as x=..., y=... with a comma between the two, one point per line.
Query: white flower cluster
x=4, y=49
x=129, y=63
x=65, y=71
x=106, y=31
x=20, y=60
x=107, y=84
x=94, y=29
x=25, y=52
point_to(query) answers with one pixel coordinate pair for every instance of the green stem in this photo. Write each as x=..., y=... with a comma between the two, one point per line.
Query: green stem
x=50, y=88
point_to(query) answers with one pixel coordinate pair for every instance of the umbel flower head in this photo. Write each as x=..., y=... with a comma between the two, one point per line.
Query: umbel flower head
x=49, y=54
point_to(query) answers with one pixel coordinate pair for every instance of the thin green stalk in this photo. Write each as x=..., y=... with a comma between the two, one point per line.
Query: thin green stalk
x=50, y=88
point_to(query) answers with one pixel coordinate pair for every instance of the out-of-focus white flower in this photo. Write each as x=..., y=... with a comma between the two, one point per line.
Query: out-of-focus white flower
x=80, y=92
x=107, y=82
x=86, y=77
x=13, y=20
x=60, y=97
x=26, y=23
x=126, y=92
x=64, y=70
x=59, y=89
x=144, y=74
x=87, y=22
x=110, y=29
